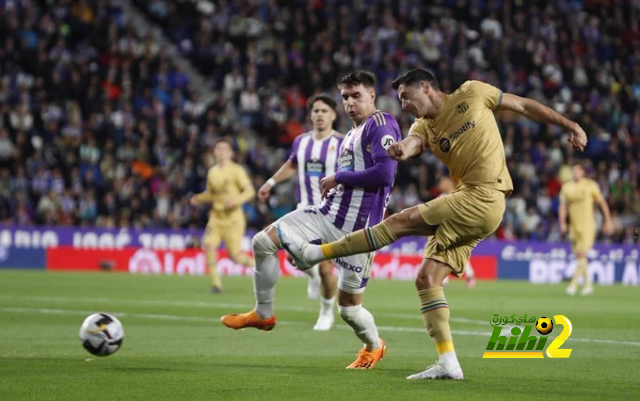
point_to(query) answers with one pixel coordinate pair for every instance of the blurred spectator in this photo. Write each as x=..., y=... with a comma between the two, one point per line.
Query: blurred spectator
x=99, y=126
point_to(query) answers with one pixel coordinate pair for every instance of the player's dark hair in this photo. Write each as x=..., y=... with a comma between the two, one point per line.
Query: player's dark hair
x=358, y=77
x=223, y=140
x=324, y=98
x=415, y=77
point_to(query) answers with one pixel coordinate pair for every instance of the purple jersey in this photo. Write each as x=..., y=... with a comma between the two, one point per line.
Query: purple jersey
x=315, y=159
x=364, y=149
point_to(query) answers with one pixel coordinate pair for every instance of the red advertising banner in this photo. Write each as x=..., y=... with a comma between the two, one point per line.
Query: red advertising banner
x=193, y=262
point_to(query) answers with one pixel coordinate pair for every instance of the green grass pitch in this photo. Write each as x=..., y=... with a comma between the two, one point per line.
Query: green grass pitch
x=176, y=349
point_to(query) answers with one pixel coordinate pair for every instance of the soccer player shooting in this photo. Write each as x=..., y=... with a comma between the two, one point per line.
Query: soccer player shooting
x=461, y=130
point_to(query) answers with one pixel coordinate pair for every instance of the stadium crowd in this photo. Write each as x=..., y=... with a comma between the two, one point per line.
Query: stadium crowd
x=98, y=126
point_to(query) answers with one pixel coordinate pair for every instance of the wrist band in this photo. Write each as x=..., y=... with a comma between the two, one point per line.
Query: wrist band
x=272, y=182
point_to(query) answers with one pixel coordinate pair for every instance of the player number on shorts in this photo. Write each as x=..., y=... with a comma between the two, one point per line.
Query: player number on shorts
x=553, y=350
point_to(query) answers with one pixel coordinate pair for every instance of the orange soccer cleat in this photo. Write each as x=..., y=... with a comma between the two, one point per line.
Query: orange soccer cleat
x=239, y=321
x=368, y=359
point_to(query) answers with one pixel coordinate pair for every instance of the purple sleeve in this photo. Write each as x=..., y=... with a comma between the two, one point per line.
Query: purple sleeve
x=340, y=140
x=293, y=157
x=383, y=171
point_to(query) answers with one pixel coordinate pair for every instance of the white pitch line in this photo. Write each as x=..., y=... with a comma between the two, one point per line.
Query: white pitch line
x=415, y=316
x=340, y=326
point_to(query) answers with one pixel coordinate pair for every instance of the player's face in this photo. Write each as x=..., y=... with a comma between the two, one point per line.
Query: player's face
x=359, y=101
x=415, y=100
x=578, y=172
x=223, y=152
x=322, y=116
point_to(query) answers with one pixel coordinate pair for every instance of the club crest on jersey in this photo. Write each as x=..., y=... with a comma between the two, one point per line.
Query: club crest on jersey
x=314, y=167
x=346, y=162
x=462, y=107
x=387, y=141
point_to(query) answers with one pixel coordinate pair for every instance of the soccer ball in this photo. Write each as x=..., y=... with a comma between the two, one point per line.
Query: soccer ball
x=544, y=325
x=101, y=334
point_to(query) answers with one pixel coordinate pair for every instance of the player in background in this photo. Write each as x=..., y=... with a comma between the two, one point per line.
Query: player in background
x=228, y=188
x=314, y=156
x=577, y=197
x=461, y=130
x=446, y=187
x=355, y=197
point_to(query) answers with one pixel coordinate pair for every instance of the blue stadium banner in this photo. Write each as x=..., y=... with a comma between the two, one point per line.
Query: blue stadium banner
x=543, y=263
x=21, y=258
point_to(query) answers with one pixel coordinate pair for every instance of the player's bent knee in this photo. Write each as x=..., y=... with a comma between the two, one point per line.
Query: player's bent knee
x=347, y=313
x=263, y=244
x=346, y=299
x=431, y=275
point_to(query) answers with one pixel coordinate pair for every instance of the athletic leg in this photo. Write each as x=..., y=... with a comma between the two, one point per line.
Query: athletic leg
x=267, y=270
x=232, y=236
x=353, y=277
x=328, y=286
x=435, y=314
x=211, y=243
x=406, y=223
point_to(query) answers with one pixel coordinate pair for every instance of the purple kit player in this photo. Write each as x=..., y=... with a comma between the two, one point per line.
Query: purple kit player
x=356, y=197
x=314, y=156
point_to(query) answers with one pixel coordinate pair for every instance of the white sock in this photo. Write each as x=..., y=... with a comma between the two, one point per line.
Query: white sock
x=363, y=324
x=326, y=306
x=449, y=360
x=469, y=272
x=265, y=273
x=313, y=254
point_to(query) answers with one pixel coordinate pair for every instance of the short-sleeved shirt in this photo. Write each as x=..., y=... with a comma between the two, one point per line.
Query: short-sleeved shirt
x=225, y=183
x=465, y=137
x=315, y=160
x=579, y=196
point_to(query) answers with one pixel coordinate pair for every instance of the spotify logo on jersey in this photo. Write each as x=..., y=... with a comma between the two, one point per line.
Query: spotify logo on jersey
x=445, y=145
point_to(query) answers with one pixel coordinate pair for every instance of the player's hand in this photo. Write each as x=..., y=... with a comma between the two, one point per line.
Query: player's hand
x=563, y=228
x=398, y=152
x=264, y=192
x=229, y=204
x=607, y=228
x=327, y=184
x=194, y=201
x=577, y=138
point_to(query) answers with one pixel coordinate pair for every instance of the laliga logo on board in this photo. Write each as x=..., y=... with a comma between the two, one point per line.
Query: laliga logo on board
x=148, y=261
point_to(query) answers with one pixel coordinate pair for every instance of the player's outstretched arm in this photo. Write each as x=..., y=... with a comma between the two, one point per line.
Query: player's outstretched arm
x=380, y=174
x=607, y=227
x=538, y=112
x=285, y=172
x=202, y=197
x=409, y=147
x=205, y=196
x=562, y=214
x=247, y=191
